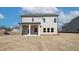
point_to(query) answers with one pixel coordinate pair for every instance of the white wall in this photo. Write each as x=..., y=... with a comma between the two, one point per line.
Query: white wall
x=49, y=23
x=29, y=19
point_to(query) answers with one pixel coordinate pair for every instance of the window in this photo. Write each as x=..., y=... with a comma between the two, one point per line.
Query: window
x=48, y=29
x=44, y=20
x=44, y=29
x=55, y=20
x=32, y=19
x=35, y=30
x=51, y=29
x=77, y=29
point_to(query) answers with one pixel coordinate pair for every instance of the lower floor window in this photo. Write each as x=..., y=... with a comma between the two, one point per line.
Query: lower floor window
x=51, y=29
x=48, y=29
x=44, y=29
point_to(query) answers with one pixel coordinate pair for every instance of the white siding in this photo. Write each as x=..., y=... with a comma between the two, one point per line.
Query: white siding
x=26, y=19
x=29, y=19
x=49, y=23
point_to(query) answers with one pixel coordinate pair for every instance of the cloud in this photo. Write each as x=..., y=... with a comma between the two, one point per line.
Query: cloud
x=74, y=14
x=62, y=19
x=40, y=10
x=1, y=16
x=66, y=18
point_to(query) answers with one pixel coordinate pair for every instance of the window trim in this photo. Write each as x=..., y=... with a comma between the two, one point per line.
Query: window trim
x=32, y=19
x=55, y=20
x=44, y=29
x=48, y=29
x=52, y=29
x=44, y=20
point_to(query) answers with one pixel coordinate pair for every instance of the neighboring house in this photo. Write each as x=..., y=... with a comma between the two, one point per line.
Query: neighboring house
x=2, y=31
x=37, y=24
x=16, y=29
x=72, y=26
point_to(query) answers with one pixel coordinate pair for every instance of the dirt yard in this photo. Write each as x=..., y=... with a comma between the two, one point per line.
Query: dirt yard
x=60, y=42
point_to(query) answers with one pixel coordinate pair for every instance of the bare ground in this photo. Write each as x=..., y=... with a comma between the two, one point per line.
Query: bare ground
x=60, y=42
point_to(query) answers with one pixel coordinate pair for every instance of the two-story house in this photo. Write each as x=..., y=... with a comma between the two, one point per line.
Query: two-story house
x=38, y=23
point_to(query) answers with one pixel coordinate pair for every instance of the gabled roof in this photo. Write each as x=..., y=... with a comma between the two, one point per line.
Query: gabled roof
x=39, y=14
x=74, y=19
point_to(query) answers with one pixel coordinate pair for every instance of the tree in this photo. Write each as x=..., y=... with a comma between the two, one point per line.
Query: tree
x=7, y=29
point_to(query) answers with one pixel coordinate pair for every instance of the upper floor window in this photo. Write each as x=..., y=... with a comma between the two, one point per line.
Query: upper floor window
x=44, y=20
x=32, y=19
x=55, y=20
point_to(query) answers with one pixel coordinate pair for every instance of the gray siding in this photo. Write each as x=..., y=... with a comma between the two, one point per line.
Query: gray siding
x=73, y=26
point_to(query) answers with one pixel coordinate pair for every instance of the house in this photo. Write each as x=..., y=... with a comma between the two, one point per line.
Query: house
x=72, y=27
x=38, y=24
x=2, y=31
x=16, y=29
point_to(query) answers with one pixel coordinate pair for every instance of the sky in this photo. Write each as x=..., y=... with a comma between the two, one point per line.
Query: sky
x=10, y=16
